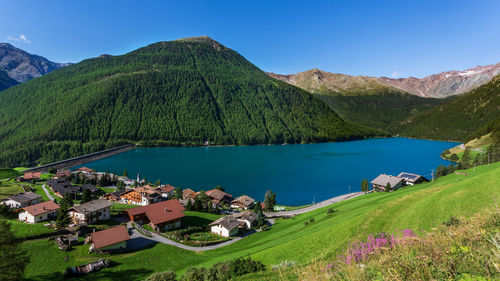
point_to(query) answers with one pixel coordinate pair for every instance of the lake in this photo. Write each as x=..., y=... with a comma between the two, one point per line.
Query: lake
x=298, y=173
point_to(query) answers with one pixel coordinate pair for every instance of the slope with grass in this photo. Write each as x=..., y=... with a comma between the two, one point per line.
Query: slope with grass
x=181, y=92
x=419, y=207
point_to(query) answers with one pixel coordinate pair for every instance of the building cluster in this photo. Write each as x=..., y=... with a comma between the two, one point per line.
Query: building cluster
x=395, y=182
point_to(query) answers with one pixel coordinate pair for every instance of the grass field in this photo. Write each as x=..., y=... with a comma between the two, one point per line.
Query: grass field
x=9, y=187
x=23, y=230
x=420, y=207
x=8, y=173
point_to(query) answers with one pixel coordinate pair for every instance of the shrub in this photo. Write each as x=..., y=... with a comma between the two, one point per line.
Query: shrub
x=283, y=264
x=162, y=276
x=222, y=271
x=306, y=223
x=194, y=274
x=330, y=211
x=452, y=221
x=311, y=220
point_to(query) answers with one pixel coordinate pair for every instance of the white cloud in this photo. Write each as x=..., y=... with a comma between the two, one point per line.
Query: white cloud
x=22, y=38
x=395, y=74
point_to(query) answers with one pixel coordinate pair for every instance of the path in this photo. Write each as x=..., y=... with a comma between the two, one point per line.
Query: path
x=137, y=240
x=314, y=207
x=47, y=192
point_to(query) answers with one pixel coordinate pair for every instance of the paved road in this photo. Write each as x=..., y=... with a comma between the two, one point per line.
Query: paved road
x=137, y=240
x=47, y=192
x=313, y=207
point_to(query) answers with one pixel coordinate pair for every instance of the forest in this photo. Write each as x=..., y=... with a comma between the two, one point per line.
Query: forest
x=168, y=93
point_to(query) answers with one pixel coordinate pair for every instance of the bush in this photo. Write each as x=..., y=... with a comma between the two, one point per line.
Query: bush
x=452, y=221
x=330, y=211
x=311, y=220
x=162, y=276
x=306, y=223
x=222, y=271
x=194, y=274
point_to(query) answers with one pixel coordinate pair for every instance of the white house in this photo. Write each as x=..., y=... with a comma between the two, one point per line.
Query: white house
x=246, y=219
x=39, y=212
x=380, y=182
x=90, y=212
x=226, y=226
x=21, y=200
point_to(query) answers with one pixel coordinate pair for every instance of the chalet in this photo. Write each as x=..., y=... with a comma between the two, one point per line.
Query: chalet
x=62, y=186
x=90, y=212
x=115, y=196
x=92, y=188
x=85, y=170
x=111, y=239
x=39, y=212
x=160, y=216
x=225, y=226
x=131, y=197
x=167, y=191
x=243, y=202
x=411, y=179
x=63, y=174
x=380, y=182
x=30, y=177
x=219, y=197
x=22, y=200
x=188, y=193
x=229, y=225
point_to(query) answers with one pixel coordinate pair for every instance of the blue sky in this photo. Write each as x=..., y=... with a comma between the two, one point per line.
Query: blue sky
x=378, y=38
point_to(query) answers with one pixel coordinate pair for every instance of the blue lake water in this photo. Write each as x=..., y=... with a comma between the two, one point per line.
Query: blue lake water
x=298, y=173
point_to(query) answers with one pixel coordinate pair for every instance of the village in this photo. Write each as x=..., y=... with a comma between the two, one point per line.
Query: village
x=111, y=213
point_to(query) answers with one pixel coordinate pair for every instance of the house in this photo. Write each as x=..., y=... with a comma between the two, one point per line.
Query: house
x=92, y=188
x=160, y=216
x=62, y=186
x=39, y=212
x=188, y=193
x=115, y=196
x=131, y=197
x=382, y=180
x=30, y=177
x=90, y=212
x=63, y=174
x=225, y=226
x=22, y=200
x=219, y=197
x=411, y=179
x=229, y=225
x=148, y=195
x=247, y=219
x=111, y=239
x=167, y=191
x=243, y=202
x=85, y=170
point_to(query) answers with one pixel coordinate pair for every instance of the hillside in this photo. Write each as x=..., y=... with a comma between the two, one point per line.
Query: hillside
x=361, y=99
x=22, y=66
x=6, y=81
x=440, y=85
x=421, y=207
x=169, y=93
x=459, y=118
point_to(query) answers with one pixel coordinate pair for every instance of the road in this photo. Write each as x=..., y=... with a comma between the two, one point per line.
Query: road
x=313, y=207
x=137, y=240
x=47, y=192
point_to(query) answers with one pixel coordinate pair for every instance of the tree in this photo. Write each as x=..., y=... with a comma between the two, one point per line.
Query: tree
x=67, y=201
x=178, y=192
x=125, y=173
x=86, y=195
x=62, y=219
x=158, y=183
x=364, y=185
x=162, y=276
x=270, y=200
x=257, y=207
x=454, y=157
x=189, y=204
x=13, y=258
x=219, y=187
x=466, y=158
x=388, y=187
x=120, y=185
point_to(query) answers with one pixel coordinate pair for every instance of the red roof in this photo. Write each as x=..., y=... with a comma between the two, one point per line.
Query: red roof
x=110, y=236
x=160, y=212
x=85, y=169
x=41, y=208
x=32, y=176
x=167, y=188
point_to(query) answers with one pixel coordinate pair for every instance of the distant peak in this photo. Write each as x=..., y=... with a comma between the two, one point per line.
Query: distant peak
x=203, y=38
x=6, y=45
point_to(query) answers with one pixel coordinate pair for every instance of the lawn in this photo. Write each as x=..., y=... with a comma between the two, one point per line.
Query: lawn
x=117, y=208
x=39, y=190
x=194, y=218
x=9, y=187
x=24, y=230
x=107, y=189
x=8, y=173
x=420, y=207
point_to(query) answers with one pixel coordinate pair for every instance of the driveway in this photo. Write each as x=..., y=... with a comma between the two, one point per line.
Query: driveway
x=47, y=192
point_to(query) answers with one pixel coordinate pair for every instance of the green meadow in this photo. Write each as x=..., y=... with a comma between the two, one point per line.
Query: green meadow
x=420, y=207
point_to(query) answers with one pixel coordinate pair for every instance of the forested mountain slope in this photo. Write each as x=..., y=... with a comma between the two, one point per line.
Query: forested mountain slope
x=460, y=118
x=6, y=81
x=179, y=92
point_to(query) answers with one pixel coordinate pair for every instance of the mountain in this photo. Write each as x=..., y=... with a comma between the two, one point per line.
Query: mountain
x=6, y=81
x=22, y=66
x=470, y=115
x=181, y=92
x=361, y=99
x=440, y=85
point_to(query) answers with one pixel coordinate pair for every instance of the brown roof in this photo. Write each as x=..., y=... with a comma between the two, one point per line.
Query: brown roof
x=41, y=208
x=188, y=193
x=167, y=188
x=160, y=212
x=244, y=200
x=218, y=194
x=85, y=169
x=32, y=176
x=110, y=236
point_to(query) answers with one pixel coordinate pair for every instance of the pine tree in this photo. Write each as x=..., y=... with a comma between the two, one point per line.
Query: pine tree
x=86, y=195
x=178, y=192
x=125, y=173
x=364, y=185
x=62, y=219
x=388, y=187
x=13, y=257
